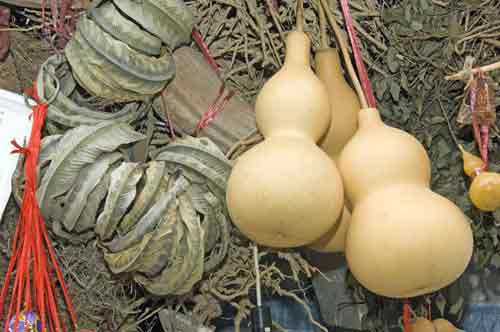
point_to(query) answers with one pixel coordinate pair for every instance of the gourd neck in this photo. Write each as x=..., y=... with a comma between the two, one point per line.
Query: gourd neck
x=369, y=117
x=328, y=60
x=298, y=46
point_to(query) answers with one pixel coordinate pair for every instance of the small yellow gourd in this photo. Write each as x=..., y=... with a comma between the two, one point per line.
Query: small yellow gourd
x=394, y=243
x=422, y=324
x=344, y=106
x=285, y=191
x=484, y=191
x=442, y=325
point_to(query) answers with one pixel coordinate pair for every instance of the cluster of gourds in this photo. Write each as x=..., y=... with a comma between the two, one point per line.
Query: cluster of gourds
x=484, y=190
x=121, y=50
x=287, y=191
x=162, y=222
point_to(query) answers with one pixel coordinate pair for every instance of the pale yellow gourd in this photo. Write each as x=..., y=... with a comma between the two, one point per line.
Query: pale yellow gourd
x=484, y=191
x=285, y=191
x=344, y=106
x=422, y=324
x=394, y=243
x=442, y=325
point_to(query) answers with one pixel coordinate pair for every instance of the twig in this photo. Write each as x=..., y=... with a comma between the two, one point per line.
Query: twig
x=465, y=74
x=276, y=21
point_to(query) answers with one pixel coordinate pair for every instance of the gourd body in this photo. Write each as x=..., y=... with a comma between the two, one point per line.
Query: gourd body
x=395, y=243
x=344, y=106
x=285, y=191
x=344, y=103
x=442, y=325
x=484, y=191
x=334, y=239
x=422, y=325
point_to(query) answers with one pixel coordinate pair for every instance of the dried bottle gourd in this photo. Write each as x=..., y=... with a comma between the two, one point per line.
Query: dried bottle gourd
x=344, y=108
x=484, y=191
x=285, y=191
x=394, y=244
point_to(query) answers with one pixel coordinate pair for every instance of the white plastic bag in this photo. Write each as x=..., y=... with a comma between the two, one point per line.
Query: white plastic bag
x=15, y=123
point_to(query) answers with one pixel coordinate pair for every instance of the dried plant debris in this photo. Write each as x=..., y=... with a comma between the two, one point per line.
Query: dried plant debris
x=121, y=50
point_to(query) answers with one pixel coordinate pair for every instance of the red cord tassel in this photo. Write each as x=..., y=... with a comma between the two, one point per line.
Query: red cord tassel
x=363, y=75
x=33, y=257
x=407, y=316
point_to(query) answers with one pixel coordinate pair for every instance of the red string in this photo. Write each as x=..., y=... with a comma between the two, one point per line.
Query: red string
x=363, y=75
x=407, y=316
x=214, y=109
x=205, y=50
x=34, y=286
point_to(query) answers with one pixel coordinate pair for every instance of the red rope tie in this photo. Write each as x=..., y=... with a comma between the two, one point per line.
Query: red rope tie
x=407, y=316
x=215, y=108
x=205, y=50
x=363, y=75
x=18, y=148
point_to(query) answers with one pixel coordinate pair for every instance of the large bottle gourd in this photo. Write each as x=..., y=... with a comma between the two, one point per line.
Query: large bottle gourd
x=344, y=108
x=403, y=240
x=285, y=191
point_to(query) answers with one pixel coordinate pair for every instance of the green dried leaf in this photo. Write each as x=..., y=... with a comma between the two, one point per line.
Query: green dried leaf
x=162, y=284
x=395, y=90
x=158, y=252
x=88, y=216
x=78, y=147
x=169, y=20
x=154, y=174
x=121, y=193
x=124, y=261
x=195, y=245
x=149, y=221
x=110, y=20
x=87, y=180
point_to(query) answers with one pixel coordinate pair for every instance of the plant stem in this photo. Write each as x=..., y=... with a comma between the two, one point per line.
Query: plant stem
x=464, y=74
x=345, y=53
x=300, y=15
x=322, y=27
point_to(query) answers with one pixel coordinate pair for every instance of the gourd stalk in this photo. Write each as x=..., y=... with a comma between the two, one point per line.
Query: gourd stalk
x=300, y=16
x=345, y=54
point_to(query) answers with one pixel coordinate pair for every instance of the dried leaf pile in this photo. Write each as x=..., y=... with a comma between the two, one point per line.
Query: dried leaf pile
x=121, y=50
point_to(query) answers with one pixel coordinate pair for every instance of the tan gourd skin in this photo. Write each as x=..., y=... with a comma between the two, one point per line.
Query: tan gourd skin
x=422, y=325
x=334, y=239
x=442, y=325
x=394, y=244
x=344, y=106
x=285, y=191
x=344, y=103
x=484, y=191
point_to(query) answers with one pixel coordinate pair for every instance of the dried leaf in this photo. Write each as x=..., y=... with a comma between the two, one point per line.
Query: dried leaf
x=121, y=193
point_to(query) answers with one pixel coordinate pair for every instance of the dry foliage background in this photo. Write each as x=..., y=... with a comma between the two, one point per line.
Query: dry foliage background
x=408, y=47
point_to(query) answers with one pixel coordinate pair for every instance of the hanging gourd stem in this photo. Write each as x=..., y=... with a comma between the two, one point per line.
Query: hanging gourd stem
x=300, y=16
x=322, y=27
x=345, y=53
x=363, y=75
